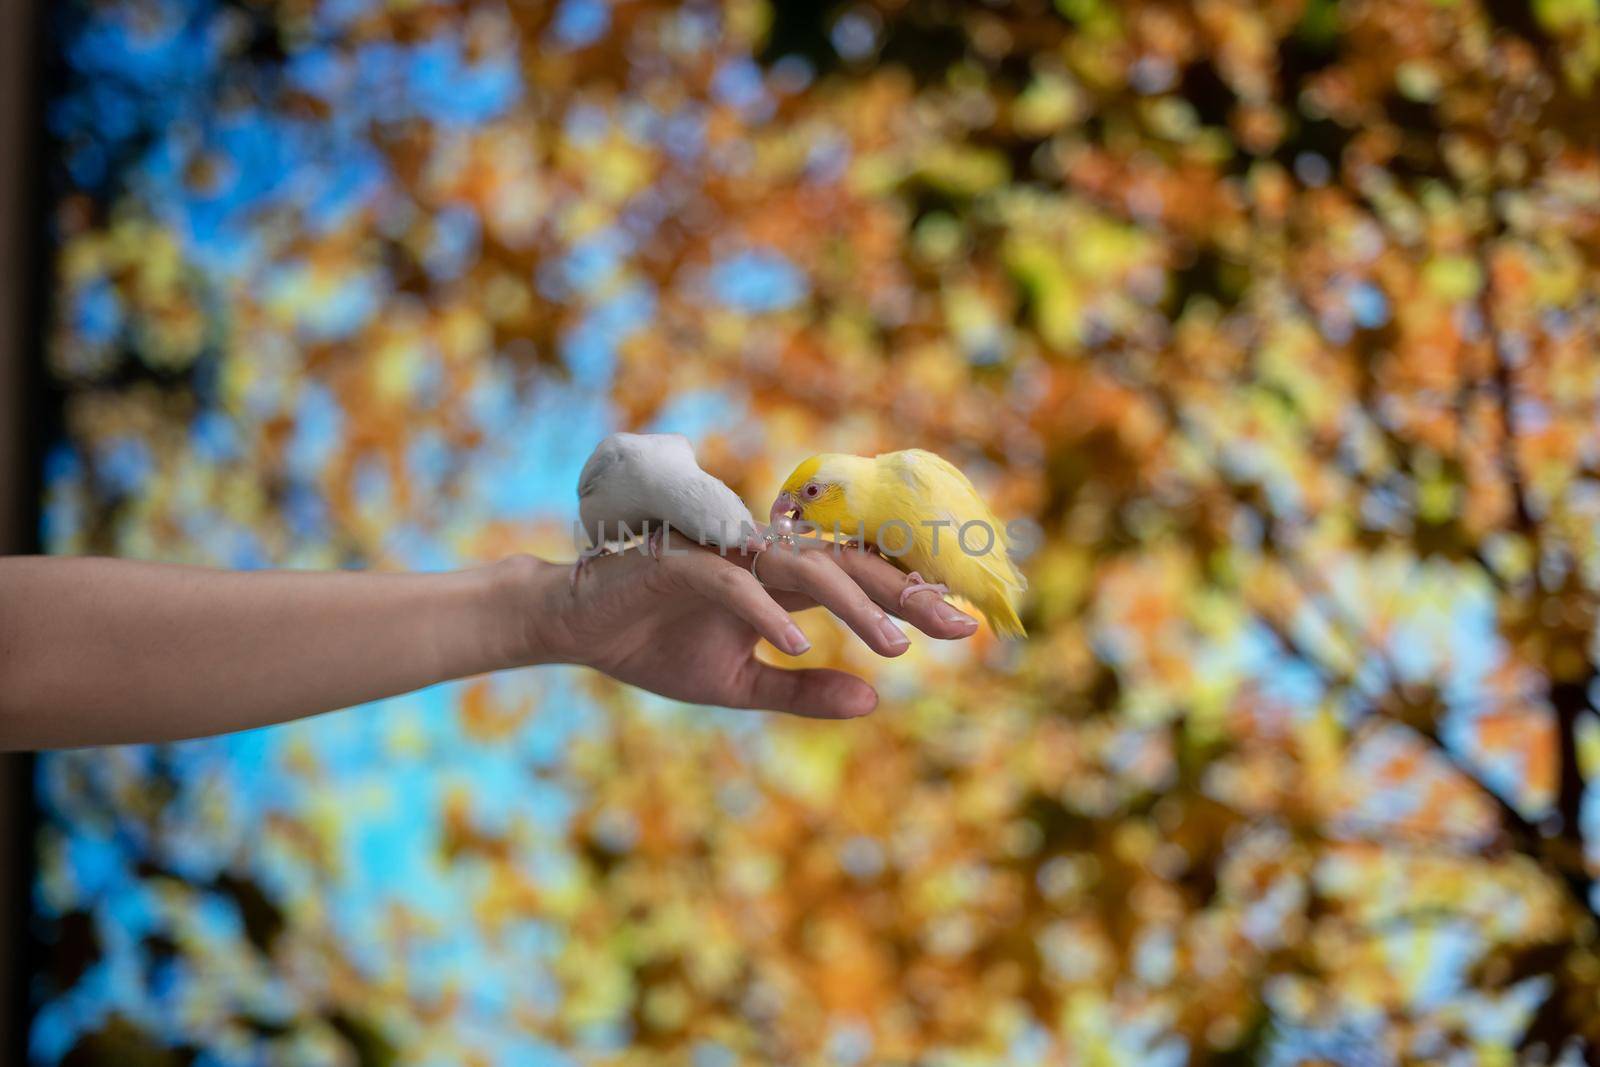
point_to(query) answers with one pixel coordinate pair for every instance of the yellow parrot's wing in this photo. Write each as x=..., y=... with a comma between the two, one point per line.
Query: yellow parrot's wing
x=941, y=491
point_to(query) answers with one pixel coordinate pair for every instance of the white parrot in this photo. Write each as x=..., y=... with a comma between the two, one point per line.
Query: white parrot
x=637, y=480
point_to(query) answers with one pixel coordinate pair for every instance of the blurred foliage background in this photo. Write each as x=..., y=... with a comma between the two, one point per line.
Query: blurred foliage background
x=1280, y=318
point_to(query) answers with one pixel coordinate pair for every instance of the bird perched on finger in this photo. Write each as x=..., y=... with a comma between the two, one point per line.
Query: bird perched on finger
x=923, y=514
x=634, y=482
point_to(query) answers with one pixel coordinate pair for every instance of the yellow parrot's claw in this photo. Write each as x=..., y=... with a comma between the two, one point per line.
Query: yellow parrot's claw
x=915, y=584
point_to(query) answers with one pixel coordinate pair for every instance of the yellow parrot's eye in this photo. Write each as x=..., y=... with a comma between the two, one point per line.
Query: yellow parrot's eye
x=811, y=491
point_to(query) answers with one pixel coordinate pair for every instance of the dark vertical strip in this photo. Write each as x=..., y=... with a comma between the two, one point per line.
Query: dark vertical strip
x=27, y=415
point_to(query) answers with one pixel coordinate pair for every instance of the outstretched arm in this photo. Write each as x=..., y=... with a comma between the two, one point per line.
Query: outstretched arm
x=102, y=651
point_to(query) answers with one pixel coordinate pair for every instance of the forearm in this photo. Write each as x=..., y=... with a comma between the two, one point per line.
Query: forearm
x=101, y=651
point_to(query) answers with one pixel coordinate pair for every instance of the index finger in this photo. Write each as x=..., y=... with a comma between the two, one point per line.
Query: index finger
x=736, y=589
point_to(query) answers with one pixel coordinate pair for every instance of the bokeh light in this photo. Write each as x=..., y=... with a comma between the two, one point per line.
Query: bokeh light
x=1279, y=318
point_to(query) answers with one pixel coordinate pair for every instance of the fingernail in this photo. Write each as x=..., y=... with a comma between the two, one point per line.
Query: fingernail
x=892, y=634
x=795, y=641
x=954, y=616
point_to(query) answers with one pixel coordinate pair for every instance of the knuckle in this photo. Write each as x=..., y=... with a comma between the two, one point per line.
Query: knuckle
x=663, y=579
x=729, y=579
x=816, y=561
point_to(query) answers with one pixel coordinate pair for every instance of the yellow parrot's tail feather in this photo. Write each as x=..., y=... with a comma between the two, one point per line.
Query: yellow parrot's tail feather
x=1002, y=617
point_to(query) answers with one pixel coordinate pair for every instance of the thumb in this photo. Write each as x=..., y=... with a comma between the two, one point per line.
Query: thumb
x=815, y=693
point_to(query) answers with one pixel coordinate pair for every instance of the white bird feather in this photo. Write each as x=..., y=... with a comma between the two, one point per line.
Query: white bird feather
x=632, y=480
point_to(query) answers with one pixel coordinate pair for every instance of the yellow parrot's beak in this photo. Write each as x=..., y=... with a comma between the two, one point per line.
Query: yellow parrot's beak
x=785, y=507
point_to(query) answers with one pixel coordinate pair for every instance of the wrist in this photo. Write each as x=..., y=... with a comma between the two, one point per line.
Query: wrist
x=525, y=598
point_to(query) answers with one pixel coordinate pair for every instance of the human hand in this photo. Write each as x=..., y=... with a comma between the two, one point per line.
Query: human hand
x=686, y=625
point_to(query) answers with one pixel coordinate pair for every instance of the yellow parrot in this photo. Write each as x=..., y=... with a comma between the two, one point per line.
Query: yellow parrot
x=922, y=514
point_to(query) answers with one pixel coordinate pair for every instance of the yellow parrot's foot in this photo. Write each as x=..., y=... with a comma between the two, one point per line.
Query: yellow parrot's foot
x=915, y=584
x=586, y=557
x=653, y=543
